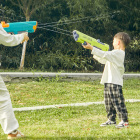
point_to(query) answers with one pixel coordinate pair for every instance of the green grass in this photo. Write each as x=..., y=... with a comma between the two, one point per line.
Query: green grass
x=48, y=93
x=57, y=71
x=71, y=122
x=55, y=92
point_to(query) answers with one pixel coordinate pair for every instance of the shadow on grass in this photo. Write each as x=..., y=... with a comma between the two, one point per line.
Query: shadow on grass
x=134, y=124
x=80, y=138
x=58, y=138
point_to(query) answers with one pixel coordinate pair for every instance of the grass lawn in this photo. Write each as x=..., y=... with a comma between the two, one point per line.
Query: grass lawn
x=71, y=122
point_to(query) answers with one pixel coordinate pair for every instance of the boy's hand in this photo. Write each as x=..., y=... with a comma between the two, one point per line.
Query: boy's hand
x=88, y=46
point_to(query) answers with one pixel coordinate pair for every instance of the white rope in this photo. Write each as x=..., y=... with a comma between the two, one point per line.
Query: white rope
x=67, y=105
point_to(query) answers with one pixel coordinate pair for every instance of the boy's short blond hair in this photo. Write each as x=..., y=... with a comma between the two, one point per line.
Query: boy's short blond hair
x=124, y=37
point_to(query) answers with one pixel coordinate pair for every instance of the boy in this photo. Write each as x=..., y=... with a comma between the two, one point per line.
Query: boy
x=7, y=118
x=112, y=79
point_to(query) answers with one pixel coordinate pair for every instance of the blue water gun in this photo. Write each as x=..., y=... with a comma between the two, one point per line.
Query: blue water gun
x=19, y=27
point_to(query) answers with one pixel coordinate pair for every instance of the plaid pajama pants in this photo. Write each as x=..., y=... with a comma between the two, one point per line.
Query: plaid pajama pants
x=114, y=102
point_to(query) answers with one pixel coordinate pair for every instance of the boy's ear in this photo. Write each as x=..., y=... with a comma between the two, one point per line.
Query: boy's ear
x=119, y=42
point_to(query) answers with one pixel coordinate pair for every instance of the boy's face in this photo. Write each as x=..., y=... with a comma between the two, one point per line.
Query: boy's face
x=116, y=43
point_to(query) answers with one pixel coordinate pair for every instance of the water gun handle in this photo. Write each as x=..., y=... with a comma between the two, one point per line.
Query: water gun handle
x=85, y=43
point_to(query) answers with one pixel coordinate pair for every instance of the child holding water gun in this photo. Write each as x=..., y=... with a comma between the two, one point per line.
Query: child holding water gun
x=112, y=79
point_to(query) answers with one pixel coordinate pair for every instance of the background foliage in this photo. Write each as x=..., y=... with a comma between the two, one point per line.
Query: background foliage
x=51, y=51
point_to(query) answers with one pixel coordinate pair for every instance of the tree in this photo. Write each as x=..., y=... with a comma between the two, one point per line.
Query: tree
x=100, y=19
x=28, y=7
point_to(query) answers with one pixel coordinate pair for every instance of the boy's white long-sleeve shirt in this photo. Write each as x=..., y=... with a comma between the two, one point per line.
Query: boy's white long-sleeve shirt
x=114, y=65
x=8, y=39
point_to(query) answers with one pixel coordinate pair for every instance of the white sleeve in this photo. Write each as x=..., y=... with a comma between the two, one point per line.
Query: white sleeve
x=8, y=39
x=100, y=60
x=111, y=56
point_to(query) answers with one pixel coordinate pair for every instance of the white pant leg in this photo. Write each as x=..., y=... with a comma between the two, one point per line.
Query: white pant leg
x=7, y=117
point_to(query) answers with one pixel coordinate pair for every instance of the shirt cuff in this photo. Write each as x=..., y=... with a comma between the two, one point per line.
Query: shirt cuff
x=94, y=50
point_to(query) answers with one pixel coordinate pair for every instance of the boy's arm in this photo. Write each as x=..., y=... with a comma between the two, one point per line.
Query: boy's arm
x=10, y=40
x=100, y=60
x=102, y=55
x=110, y=56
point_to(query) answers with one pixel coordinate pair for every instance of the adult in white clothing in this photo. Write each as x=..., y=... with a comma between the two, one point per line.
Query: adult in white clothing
x=7, y=118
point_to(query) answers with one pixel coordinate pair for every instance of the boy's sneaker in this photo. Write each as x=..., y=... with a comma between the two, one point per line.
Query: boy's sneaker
x=123, y=124
x=15, y=135
x=109, y=122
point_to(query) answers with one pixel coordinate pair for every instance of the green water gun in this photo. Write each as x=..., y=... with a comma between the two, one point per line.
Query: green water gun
x=83, y=38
